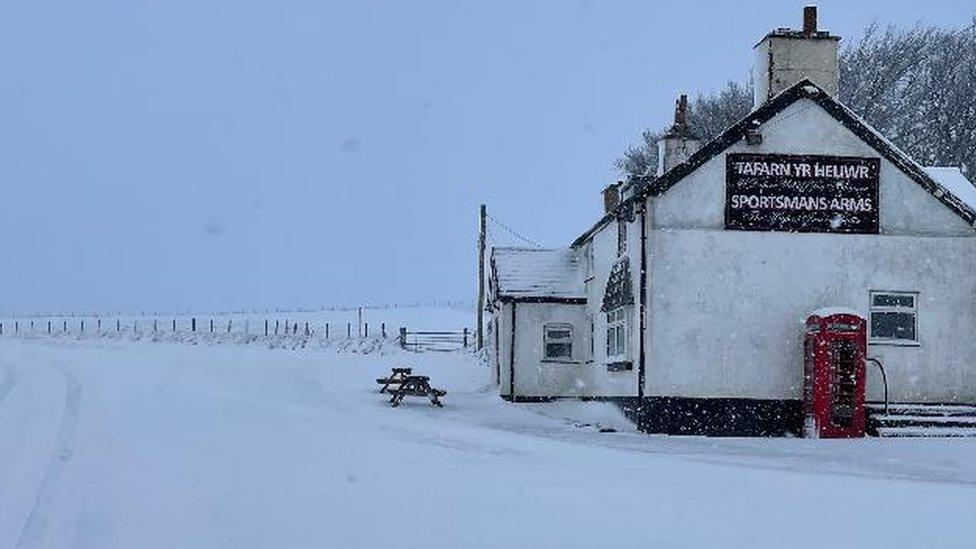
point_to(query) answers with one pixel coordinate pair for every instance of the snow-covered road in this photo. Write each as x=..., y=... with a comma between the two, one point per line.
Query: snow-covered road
x=137, y=444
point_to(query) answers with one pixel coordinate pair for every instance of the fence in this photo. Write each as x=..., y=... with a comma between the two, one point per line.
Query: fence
x=265, y=326
x=434, y=341
x=252, y=327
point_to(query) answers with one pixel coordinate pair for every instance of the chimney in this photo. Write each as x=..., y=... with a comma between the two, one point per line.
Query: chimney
x=809, y=20
x=785, y=57
x=679, y=143
x=611, y=197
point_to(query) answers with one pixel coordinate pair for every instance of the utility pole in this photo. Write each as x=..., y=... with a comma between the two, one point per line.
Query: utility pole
x=481, y=279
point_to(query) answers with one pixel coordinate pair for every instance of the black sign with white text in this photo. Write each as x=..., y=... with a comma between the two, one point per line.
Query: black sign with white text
x=802, y=193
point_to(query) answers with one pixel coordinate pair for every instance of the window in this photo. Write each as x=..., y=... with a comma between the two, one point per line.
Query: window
x=894, y=317
x=621, y=237
x=558, y=341
x=616, y=333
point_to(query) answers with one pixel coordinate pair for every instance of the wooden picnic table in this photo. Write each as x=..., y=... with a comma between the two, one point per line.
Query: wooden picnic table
x=399, y=374
x=418, y=386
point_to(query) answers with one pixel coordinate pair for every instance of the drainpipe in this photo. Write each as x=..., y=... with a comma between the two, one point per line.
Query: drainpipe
x=641, y=372
x=511, y=359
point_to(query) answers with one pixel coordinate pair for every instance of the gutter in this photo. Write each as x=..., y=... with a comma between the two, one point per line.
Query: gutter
x=543, y=299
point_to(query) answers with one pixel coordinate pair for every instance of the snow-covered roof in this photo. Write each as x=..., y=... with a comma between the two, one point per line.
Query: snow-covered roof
x=953, y=180
x=824, y=312
x=536, y=273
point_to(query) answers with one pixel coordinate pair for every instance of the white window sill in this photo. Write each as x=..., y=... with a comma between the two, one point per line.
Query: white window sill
x=560, y=361
x=895, y=342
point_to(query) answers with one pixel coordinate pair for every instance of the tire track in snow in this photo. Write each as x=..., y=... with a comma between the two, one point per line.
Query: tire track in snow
x=32, y=535
x=9, y=380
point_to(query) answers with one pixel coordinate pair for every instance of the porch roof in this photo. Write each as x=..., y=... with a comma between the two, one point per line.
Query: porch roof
x=529, y=273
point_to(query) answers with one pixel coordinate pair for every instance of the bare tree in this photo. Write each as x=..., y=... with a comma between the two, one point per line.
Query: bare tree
x=916, y=86
x=641, y=157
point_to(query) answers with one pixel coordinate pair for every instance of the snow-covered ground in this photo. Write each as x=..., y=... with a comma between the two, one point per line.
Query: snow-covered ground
x=140, y=443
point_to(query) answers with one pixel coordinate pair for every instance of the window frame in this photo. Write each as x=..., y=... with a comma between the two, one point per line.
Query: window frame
x=621, y=237
x=618, y=322
x=546, y=341
x=913, y=310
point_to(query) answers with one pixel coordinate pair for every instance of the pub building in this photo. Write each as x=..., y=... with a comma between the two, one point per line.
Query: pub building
x=689, y=301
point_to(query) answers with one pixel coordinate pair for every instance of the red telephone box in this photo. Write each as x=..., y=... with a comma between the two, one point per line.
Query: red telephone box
x=834, y=350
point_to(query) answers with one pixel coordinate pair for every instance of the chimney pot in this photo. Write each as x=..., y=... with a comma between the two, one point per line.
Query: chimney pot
x=810, y=20
x=678, y=144
x=611, y=197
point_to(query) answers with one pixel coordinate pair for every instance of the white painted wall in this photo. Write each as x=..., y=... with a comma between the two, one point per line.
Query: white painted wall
x=503, y=323
x=620, y=383
x=725, y=326
x=698, y=201
x=587, y=375
x=725, y=306
x=534, y=375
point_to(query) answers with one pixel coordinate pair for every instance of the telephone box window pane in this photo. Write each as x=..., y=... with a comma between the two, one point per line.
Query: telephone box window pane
x=894, y=300
x=891, y=325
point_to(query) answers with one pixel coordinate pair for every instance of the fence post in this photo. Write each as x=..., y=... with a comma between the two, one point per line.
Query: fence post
x=211, y=325
x=247, y=326
x=48, y=326
x=348, y=330
x=32, y=326
x=193, y=324
x=366, y=330
x=403, y=337
x=99, y=323
x=266, y=326
x=326, y=330
x=155, y=325
x=83, y=325
x=465, y=331
x=135, y=326
x=383, y=329
x=294, y=329
x=1, y=328
x=306, y=328
x=276, y=327
x=228, y=325
x=64, y=325
x=16, y=326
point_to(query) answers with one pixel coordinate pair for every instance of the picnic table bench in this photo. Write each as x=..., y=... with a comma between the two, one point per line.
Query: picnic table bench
x=399, y=374
x=418, y=386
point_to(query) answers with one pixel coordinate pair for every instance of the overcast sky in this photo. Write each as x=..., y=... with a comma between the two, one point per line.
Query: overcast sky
x=175, y=155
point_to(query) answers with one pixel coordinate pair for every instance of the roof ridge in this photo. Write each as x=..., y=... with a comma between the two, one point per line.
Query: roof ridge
x=804, y=89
